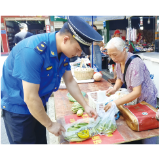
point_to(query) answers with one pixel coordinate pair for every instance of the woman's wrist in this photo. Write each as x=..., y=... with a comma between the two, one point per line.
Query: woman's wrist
x=115, y=88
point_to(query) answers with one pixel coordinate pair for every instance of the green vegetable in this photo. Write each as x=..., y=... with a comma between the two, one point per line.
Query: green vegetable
x=74, y=137
x=80, y=112
x=76, y=107
x=72, y=99
x=105, y=128
x=76, y=126
x=84, y=130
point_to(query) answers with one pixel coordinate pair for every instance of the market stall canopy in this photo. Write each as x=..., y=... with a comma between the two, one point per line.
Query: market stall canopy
x=97, y=18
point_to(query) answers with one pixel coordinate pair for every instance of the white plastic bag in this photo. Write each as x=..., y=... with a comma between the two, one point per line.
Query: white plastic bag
x=78, y=131
x=86, y=128
x=107, y=124
x=121, y=93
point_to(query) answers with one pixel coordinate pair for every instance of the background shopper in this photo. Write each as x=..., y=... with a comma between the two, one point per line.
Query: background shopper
x=97, y=55
x=22, y=34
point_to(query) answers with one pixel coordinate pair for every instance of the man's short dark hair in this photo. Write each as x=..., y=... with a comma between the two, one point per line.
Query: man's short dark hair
x=22, y=25
x=64, y=29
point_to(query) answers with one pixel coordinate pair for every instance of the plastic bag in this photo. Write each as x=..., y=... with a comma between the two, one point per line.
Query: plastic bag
x=107, y=124
x=119, y=94
x=80, y=130
x=86, y=128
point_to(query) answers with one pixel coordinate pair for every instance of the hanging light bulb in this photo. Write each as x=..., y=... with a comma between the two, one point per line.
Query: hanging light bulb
x=141, y=27
x=149, y=20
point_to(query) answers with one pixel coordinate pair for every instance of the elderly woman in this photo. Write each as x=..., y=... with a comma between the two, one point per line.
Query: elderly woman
x=137, y=77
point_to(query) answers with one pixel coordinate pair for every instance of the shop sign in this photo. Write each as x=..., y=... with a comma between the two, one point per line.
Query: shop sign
x=104, y=24
x=2, y=26
x=23, y=15
x=47, y=28
x=141, y=21
x=3, y=31
x=53, y=18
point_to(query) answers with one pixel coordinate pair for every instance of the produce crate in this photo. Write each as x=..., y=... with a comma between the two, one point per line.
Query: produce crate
x=98, y=99
x=95, y=101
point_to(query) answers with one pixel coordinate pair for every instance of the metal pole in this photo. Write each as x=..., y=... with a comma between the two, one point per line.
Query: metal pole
x=129, y=26
x=92, y=44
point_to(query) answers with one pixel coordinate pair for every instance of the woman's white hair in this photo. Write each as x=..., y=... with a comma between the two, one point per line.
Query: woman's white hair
x=116, y=42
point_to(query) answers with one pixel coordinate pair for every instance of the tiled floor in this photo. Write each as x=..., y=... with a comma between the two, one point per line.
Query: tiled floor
x=4, y=138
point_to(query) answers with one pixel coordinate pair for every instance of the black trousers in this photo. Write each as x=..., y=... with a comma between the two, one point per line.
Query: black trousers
x=24, y=129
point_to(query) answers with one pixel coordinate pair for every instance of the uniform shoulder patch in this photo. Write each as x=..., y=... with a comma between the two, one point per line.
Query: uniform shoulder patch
x=41, y=47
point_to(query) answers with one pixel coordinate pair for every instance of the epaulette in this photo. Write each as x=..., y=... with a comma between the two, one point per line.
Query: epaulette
x=41, y=47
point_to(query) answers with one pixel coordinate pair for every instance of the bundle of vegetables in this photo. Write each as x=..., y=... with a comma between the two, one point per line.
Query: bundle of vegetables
x=72, y=99
x=84, y=129
x=106, y=128
x=77, y=109
x=81, y=130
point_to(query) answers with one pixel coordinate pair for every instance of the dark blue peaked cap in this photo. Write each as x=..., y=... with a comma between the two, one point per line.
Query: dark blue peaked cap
x=83, y=33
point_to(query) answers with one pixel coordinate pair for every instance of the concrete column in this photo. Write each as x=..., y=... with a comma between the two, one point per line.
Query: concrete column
x=107, y=27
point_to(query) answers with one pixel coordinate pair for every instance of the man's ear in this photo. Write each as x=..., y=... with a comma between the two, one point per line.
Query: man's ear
x=65, y=39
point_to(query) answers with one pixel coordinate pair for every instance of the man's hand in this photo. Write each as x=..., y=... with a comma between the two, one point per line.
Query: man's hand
x=56, y=129
x=108, y=106
x=91, y=112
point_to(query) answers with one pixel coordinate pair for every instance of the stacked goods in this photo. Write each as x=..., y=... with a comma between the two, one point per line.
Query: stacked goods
x=83, y=73
x=140, y=117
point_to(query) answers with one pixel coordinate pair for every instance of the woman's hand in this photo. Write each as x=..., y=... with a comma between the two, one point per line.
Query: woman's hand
x=110, y=91
x=108, y=106
x=157, y=114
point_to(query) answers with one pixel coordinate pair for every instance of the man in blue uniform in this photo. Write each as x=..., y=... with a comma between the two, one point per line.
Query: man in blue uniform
x=33, y=71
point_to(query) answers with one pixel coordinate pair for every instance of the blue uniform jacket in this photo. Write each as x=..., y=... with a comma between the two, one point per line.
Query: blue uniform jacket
x=35, y=60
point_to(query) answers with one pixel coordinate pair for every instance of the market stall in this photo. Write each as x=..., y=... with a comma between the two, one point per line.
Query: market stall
x=10, y=27
x=123, y=133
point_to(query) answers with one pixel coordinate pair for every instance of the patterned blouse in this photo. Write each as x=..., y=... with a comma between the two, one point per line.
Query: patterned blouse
x=138, y=74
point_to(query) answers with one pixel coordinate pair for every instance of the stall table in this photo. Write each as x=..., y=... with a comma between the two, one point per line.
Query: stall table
x=63, y=109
